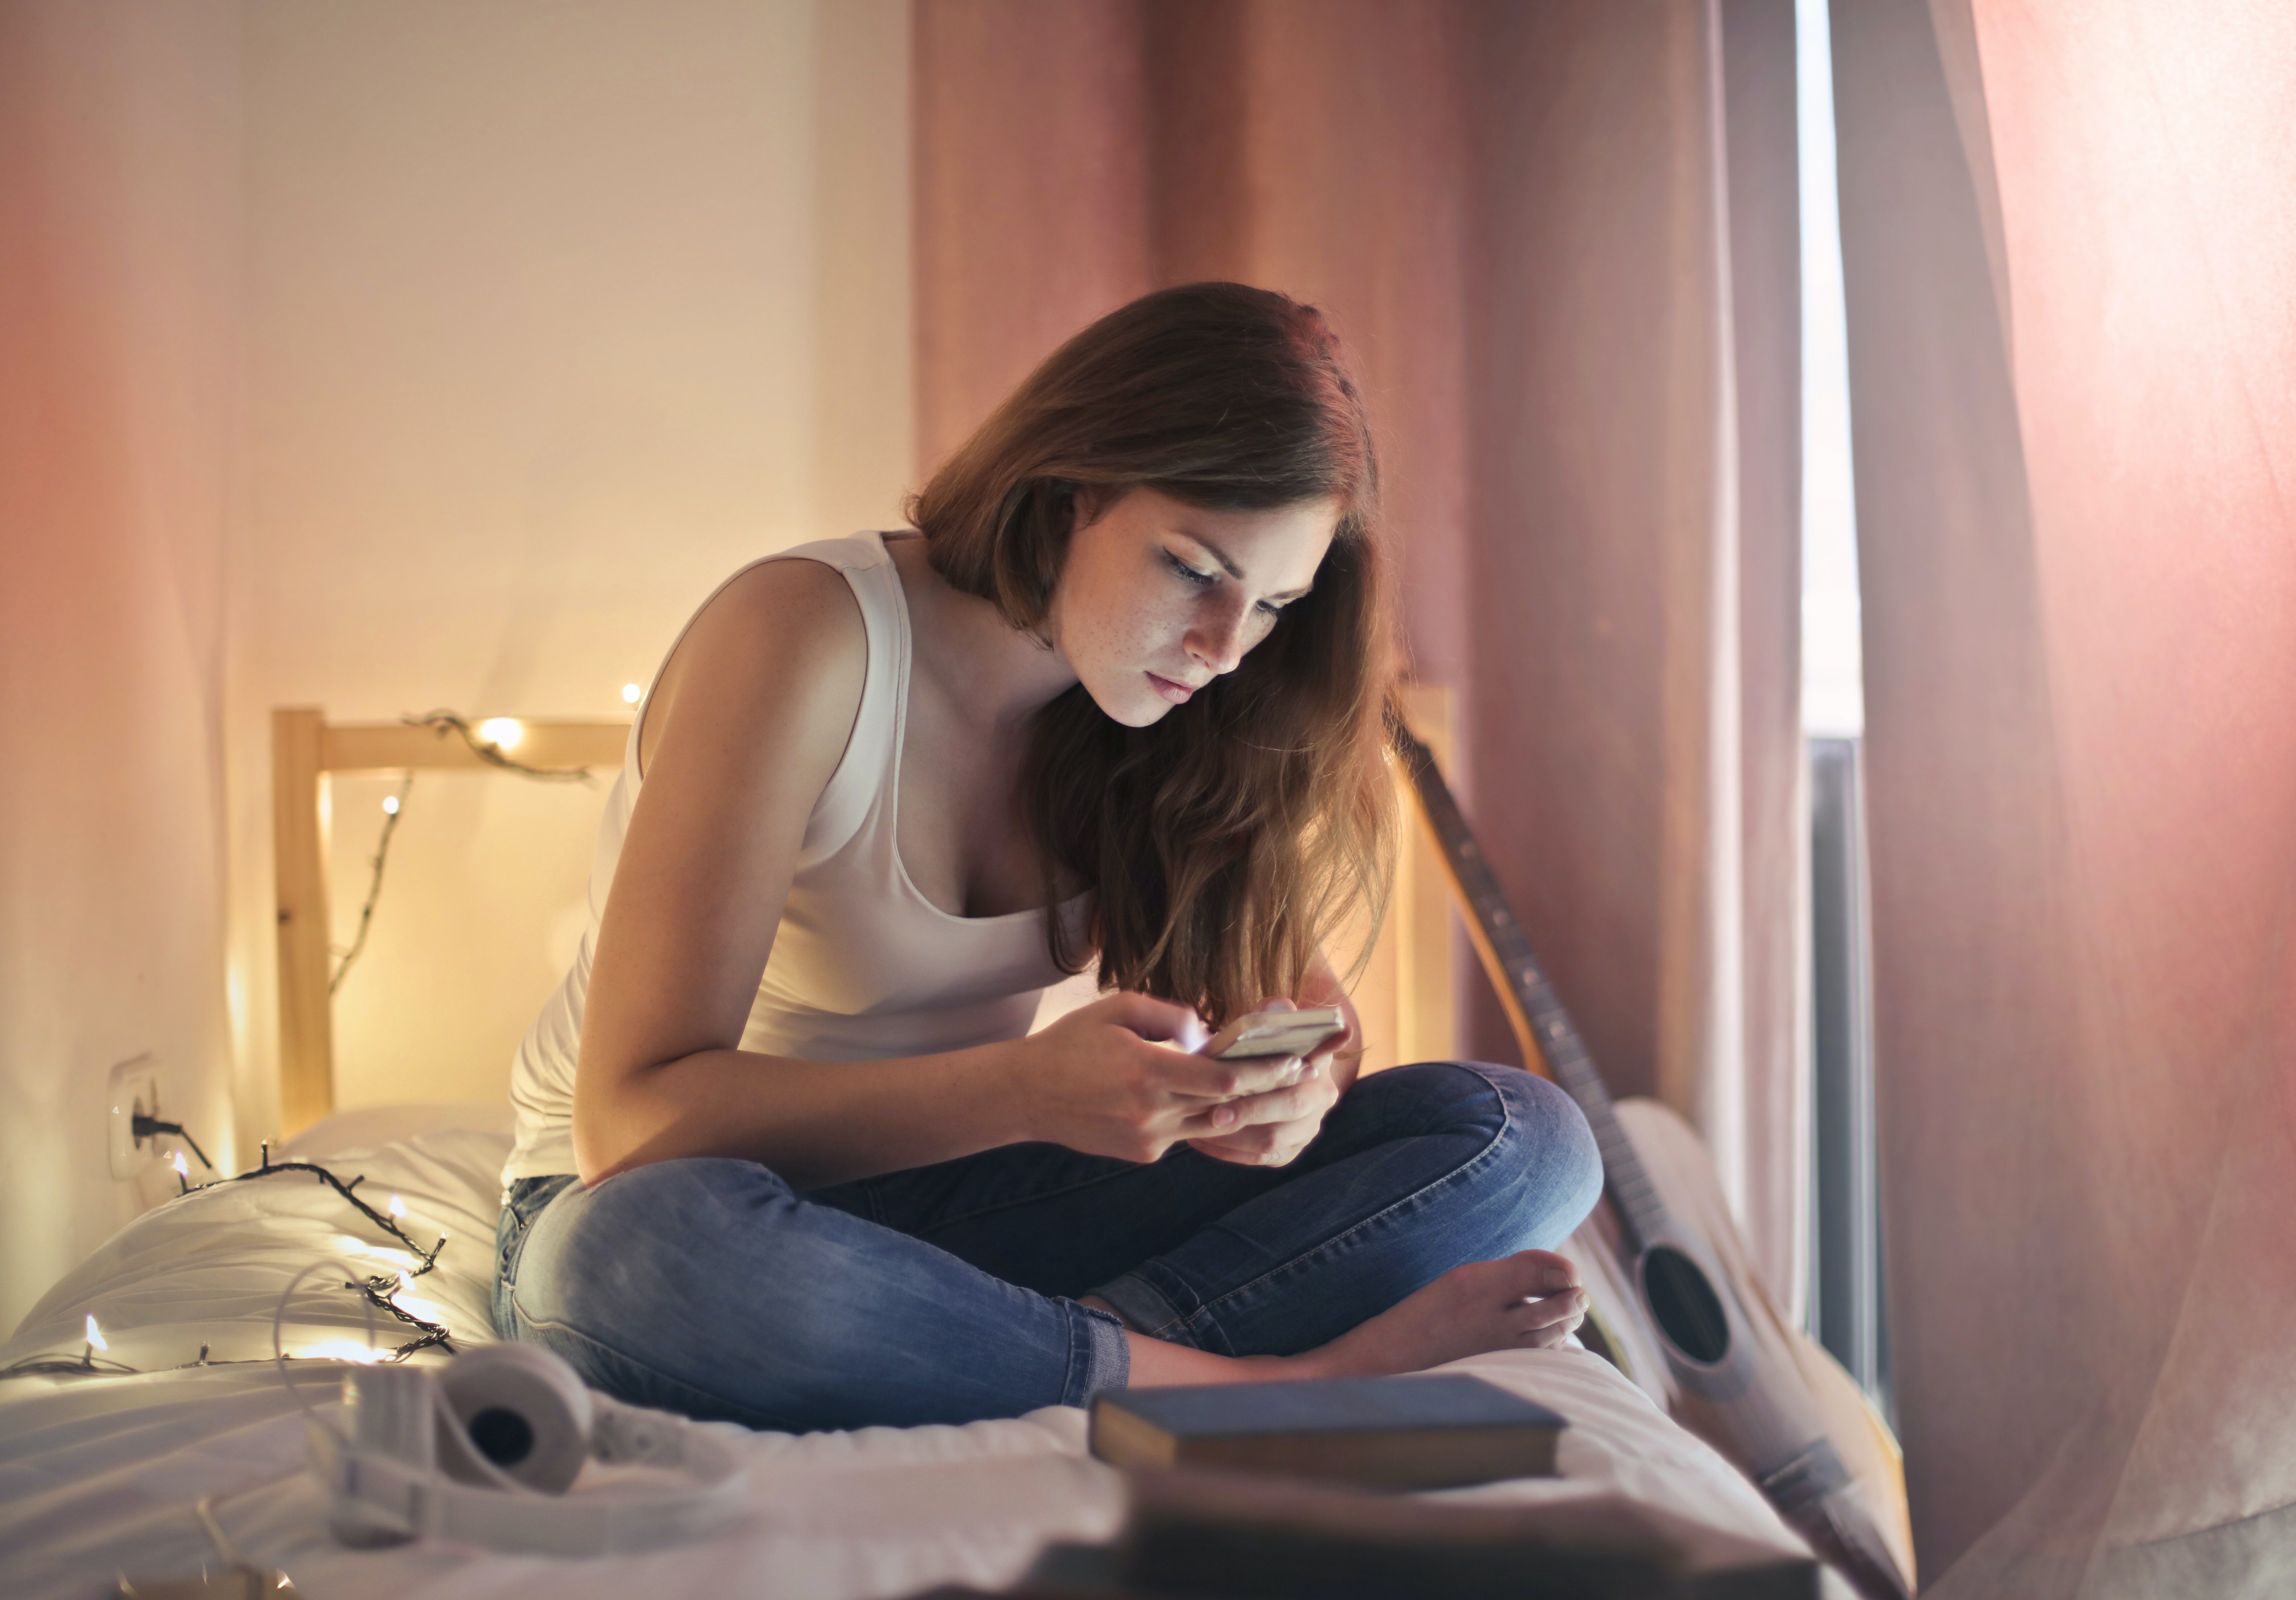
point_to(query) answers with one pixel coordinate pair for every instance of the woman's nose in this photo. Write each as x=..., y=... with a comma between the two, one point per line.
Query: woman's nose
x=1216, y=641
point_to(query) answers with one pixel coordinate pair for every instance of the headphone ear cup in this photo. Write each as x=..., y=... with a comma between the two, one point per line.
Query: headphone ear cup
x=516, y=1417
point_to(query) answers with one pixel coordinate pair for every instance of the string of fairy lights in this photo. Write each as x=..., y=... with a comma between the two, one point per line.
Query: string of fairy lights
x=379, y=1289
x=491, y=741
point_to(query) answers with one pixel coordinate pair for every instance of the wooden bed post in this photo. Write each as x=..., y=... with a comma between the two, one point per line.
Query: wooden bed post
x=306, y=1039
x=305, y=748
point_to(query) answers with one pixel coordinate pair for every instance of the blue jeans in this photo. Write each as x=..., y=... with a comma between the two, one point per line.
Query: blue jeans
x=947, y=1293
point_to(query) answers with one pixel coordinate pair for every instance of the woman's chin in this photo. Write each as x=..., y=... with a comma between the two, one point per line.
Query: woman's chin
x=1132, y=710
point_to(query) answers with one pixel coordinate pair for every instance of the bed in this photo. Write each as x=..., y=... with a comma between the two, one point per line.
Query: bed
x=102, y=1462
x=100, y=1471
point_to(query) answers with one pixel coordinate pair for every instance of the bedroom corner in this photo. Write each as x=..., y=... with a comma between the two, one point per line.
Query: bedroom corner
x=381, y=361
x=121, y=224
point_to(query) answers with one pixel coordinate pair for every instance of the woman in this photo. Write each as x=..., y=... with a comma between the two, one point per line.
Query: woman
x=784, y=1155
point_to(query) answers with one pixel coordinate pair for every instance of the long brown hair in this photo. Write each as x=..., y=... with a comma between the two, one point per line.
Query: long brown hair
x=1226, y=843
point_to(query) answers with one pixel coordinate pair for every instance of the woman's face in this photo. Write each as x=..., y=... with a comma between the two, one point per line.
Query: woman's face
x=1158, y=597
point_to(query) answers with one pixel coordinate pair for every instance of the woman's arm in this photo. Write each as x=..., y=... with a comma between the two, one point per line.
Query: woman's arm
x=745, y=728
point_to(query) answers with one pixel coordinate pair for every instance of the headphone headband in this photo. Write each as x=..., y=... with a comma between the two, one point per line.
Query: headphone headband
x=484, y=1451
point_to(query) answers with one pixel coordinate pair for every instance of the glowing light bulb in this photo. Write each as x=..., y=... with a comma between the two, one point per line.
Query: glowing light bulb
x=406, y=1283
x=183, y=1168
x=390, y=805
x=398, y=1206
x=632, y=694
x=343, y=1350
x=95, y=1335
x=502, y=733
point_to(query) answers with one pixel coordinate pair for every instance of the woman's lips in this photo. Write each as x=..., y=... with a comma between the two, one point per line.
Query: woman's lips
x=1177, y=694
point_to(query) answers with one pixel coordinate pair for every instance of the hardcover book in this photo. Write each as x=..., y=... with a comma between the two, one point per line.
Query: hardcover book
x=1243, y=1537
x=1400, y=1432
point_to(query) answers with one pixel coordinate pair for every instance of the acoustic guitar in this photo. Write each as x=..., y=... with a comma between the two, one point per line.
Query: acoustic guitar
x=1763, y=1393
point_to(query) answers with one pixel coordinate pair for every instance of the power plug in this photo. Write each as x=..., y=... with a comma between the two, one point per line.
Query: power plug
x=133, y=1091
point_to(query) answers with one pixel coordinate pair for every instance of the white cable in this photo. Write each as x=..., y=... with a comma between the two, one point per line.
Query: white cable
x=203, y=1508
x=279, y=1354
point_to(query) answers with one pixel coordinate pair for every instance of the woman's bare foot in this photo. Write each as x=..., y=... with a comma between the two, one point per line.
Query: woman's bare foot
x=1528, y=1300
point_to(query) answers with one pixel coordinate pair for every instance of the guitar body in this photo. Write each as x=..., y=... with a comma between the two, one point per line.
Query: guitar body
x=1679, y=1167
x=1675, y=1302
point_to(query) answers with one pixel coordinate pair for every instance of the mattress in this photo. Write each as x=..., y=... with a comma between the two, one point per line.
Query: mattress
x=100, y=1472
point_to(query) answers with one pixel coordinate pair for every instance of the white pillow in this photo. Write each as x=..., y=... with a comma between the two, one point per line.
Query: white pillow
x=209, y=1267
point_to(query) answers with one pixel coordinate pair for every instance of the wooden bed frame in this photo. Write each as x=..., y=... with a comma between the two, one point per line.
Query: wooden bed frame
x=1405, y=995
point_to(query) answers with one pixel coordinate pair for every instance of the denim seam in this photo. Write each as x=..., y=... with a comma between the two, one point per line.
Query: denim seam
x=1207, y=1309
x=1125, y=1291
x=522, y=1223
x=1098, y=1356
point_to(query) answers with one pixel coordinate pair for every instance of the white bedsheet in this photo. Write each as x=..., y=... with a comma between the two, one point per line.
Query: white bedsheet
x=98, y=1475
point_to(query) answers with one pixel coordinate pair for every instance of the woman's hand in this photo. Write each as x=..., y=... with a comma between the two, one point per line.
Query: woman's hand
x=1278, y=1125
x=1106, y=1080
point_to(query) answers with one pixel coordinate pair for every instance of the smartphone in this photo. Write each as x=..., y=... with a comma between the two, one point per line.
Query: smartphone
x=1299, y=1033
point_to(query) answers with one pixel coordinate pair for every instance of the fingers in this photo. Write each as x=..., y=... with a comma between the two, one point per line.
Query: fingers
x=1255, y=1146
x=1150, y=1018
x=1258, y=1140
x=1201, y=1077
x=1263, y=1129
x=1302, y=1105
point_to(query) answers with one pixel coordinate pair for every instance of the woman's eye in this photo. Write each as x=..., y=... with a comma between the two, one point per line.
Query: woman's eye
x=1187, y=572
x=1270, y=610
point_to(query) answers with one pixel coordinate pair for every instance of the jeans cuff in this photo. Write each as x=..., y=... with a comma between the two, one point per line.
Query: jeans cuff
x=1146, y=1309
x=1099, y=1357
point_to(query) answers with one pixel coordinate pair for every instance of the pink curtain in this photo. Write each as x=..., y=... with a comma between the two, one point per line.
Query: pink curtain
x=2071, y=265
x=1560, y=241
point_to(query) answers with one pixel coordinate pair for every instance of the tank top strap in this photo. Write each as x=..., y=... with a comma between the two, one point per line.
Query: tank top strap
x=872, y=749
x=865, y=771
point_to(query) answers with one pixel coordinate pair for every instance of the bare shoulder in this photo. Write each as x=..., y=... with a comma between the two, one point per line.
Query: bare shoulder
x=781, y=648
x=795, y=606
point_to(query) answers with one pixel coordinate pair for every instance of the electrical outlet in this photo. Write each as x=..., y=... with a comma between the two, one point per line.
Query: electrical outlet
x=133, y=1091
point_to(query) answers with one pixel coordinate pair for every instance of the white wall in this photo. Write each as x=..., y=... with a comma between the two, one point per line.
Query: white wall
x=559, y=313
x=120, y=229
x=382, y=357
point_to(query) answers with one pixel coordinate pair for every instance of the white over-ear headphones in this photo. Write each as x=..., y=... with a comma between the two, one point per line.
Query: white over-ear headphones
x=483, y=1449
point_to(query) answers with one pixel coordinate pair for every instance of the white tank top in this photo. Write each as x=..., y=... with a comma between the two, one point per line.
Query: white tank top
x=863, y=965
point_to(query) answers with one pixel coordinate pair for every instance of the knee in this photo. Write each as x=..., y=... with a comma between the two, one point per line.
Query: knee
x=1440, y=1097
x=640, y=1241
x=1553, y=1148
x=1542, y=1154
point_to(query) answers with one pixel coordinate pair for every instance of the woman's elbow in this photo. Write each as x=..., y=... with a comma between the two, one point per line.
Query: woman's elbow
x=594, y=1158
x=602, y=1143
x=622, y=1119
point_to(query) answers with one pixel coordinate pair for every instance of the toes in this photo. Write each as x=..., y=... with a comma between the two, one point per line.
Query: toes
x=1548, y=1334
x=1555, y=1308
x=1557, y=1315
x=1531, y=1273
x=1555, y=1271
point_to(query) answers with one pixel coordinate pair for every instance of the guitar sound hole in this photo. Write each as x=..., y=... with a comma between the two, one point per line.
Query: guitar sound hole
x=1688, y=1311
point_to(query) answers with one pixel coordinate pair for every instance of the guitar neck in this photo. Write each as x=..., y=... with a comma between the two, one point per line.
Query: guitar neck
x=1541, y=1024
